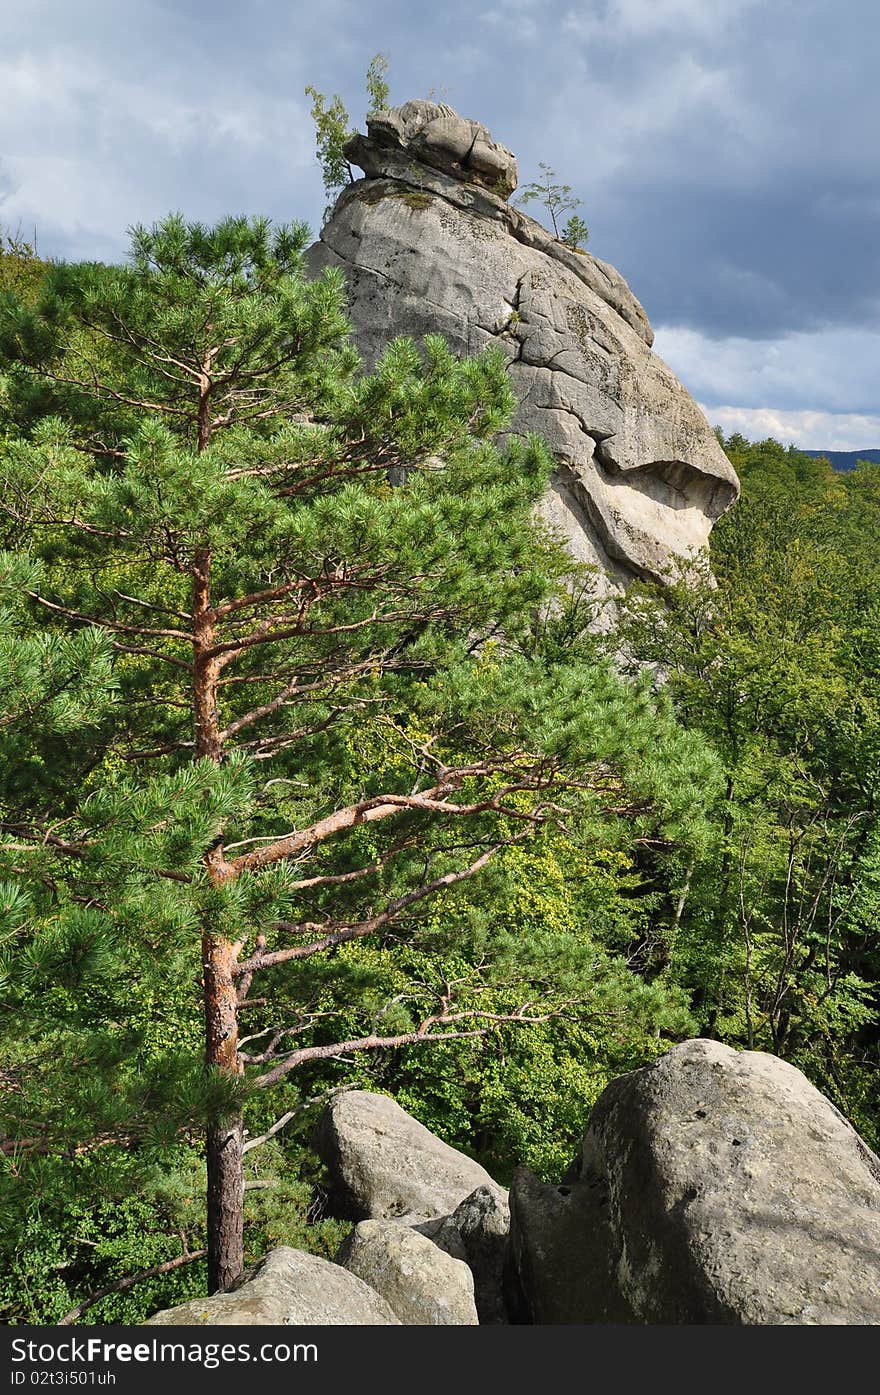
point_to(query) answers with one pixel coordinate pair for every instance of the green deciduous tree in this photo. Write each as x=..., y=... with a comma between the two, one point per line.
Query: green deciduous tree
x=332, y=131
x=333, y=127
x=378, y=90
x=21, y=269
x=774, y=661
x=557, y=199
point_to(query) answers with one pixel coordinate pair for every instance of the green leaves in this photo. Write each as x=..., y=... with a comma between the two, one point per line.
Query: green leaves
x=73, y=952
x=202, y=316
x=378, y=90
x=575, y=233
x=332, y=131
x=333, y=127
x=774, y=662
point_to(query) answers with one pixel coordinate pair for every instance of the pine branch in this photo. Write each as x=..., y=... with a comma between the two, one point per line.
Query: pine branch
x=103, y=390
x=342, y=878
x=266, y=634
x=423, y=1033
x=370, y=1043
x=387, y=805
x=151, y=605
x=104, y=623
x=342, y=934
x=146, y=653
x=255, y=598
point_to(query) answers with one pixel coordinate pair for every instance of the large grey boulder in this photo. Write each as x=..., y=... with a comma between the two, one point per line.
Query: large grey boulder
x=287, y=1287
x=421, y=1284
x=429, y=244
x=383, y=1164
x=443, y=1232
x=713, y=1186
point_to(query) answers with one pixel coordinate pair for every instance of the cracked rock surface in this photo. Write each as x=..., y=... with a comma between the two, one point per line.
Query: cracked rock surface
x=421, y=1284
x=288, y=1287
x=429, y=244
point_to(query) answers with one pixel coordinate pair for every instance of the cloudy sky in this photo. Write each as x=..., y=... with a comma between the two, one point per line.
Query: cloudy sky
x=725, y=151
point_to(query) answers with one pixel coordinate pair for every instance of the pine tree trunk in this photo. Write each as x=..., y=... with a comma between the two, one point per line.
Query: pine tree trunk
x=223, y=1144
x=223, y=1141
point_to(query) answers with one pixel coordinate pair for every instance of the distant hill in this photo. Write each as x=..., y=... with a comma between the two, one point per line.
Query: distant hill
x=846, y=459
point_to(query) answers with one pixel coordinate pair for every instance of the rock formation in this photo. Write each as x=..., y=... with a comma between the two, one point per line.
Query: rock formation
x=383, y=1164
x=429, y=244
x=713, y=1186
x=479, y=1231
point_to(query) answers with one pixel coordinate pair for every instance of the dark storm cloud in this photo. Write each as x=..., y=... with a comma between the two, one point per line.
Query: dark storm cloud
x=779, y=260
x=728, y=157
x=724, y=149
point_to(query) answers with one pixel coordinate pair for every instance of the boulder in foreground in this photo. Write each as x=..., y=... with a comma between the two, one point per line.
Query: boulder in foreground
x=713, y=1186
x=288, y=1287
x=421, y=1284
x=383, y=1164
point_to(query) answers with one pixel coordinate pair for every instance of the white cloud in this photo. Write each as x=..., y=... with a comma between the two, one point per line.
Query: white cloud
x=515, y=17
x=835, y=370
x=732, y=186
x=89, y=149
x=809, y=430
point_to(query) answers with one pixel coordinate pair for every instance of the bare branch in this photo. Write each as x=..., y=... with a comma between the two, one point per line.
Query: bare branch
x=344, y=933
x=385, y=806
x=292, y=1114
x=122, y=1284
x=147, y=653
x=423, y=1033
x=370, y=1043
x=108, y=624
x=102, y=390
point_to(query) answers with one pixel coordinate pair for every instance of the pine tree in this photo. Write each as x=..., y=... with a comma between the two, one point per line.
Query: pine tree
x=320, y=719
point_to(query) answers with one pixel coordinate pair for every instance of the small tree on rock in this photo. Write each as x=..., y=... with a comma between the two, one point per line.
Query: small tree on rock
x=333, y=128
x=557, y=199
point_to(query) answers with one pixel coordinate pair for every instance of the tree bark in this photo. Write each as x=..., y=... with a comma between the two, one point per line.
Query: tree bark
x=223, y=1143
x=206, y=671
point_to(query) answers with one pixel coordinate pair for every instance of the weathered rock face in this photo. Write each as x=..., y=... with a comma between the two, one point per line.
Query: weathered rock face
x=422, y=1285
x=287, y=1287
x=435, y=135
x=713, y=1186
x=430, y=245
x=383, y=1164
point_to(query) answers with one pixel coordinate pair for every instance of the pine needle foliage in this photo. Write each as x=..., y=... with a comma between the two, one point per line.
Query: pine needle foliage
x=272, y=705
